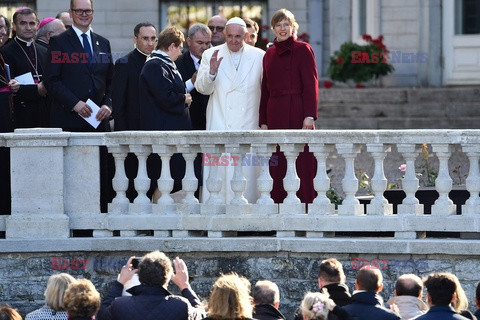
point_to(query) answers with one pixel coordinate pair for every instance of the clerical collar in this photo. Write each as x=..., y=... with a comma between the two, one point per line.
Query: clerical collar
x=146, y=55
x=27, y=43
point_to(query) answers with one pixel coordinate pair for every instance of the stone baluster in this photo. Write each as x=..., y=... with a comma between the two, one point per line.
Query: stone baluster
x=410, y=183
x=350, y=205
x=291, y=183
x=472, y=205
x=321, y=204
x=120, y=181
x=189, y=204
x=239, y=204
x=265, y=204
x=165, y=204
x=379, y=204
x=443, y=205
x=215, y=203
x=141, y=204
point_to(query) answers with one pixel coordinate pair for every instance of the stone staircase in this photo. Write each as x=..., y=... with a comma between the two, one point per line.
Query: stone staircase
x=399, y=108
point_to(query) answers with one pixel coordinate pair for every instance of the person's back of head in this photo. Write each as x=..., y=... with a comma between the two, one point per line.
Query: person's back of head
x=369, y=279
x=409, y=285
x=331, y=271
x=461, y=302
x=315, y=305
x=56, y=286
x=230, y=298
x=441, y=288
x=81, y=299
x=155, y=269
x=477, y=296
x=8, y=313
x=266, y=292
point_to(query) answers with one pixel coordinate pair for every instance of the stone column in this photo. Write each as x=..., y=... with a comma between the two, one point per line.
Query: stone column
x=472, y=205
x=120, y=181
x=321, y=204
x=239, y=204
x=291, y=183
x=350, y=205
x=141, y=204
x=215, y=203
x=189, y=204
x=37, y=183
x=410, y=205
x=165, y=204
x=443, y=205
x=265, y=204
x=379, y=205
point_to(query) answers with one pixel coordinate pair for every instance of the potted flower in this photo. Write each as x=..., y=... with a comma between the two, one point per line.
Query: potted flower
x=360, y=63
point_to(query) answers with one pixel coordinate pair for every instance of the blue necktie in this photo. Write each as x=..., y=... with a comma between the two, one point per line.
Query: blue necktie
x=87, y=48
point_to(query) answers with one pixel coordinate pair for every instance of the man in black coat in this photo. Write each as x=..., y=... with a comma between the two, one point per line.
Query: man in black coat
x=24, y=56
x=125, y=91
x=366, y=303
x=151, y=300
x=79, y=67
x=266, y=298
x=198, y=40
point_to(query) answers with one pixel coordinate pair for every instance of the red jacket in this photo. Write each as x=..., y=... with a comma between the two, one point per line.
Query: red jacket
x=289, y=85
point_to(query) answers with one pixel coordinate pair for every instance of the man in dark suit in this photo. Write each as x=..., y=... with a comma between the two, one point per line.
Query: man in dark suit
x=24, y=56
x=75, y=74
x=198, y=40
x=125, y=95
x=79, y=68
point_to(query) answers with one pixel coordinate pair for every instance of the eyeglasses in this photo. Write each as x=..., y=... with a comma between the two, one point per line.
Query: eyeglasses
x=213, y=28
x=81, y=12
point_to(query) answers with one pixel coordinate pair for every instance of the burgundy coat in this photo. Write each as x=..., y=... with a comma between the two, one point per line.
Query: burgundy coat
x=289, y=95
x=289, y=85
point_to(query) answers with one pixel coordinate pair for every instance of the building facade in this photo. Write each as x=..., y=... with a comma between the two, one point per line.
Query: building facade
x=433, y=43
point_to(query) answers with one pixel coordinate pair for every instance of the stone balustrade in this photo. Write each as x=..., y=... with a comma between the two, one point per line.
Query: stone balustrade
x=56, y=186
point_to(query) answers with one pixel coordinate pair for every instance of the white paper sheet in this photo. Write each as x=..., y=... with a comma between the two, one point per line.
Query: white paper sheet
x=92, y=120
x=25, y=78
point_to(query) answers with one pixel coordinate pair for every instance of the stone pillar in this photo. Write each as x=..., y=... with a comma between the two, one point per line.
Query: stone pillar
x=410, y=205
x=189, y=204
x=321, y=204
x=443, y=205
x=472, y=205
x=215, y=203
x=239, y=204
x=379, y=205
x=165, y=204
x=291, y=183
x=350, y=205
x=141, y=204
x=265, y=204
x=120, y=181
x=37, y=182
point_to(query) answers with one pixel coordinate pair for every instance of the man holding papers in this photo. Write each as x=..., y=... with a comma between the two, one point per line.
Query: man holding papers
x=26, y=61
x=79, y=67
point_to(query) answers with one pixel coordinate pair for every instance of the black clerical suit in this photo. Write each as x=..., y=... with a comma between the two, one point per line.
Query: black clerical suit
x=70, y=78
x=126, y=105
x=30, y=108
x=6, y=125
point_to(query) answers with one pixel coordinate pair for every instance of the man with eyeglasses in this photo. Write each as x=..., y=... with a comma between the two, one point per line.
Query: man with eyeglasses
x=80, y=67
x=216, y=24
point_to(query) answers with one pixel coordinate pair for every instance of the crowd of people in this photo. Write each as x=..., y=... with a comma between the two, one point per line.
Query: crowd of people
x=140, y=292
x=57, y=72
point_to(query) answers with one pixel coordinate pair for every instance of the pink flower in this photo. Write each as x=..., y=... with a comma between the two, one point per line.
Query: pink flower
x=403, y=167
x=318, y=307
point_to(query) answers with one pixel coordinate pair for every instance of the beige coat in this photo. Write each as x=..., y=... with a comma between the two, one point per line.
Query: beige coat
x=409, y=306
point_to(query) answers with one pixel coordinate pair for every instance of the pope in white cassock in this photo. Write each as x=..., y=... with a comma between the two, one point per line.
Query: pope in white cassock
x=231, y=74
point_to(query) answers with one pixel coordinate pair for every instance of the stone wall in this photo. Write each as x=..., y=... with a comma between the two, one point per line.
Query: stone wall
x=23, y=276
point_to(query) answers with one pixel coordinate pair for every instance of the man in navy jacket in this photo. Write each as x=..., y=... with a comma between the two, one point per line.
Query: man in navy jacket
x=151, y=300
x=366, y=303
x=441, y=288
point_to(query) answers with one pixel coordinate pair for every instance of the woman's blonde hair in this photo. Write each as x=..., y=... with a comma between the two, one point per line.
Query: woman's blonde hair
x=315, y=305
x=230, y=298
x=8, y=313
x=56, y=286
x=461, y=303
x=81, y=299
x=283, y=14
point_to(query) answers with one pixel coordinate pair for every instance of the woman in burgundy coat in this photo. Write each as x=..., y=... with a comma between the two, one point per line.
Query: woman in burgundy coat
x=289, y=100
